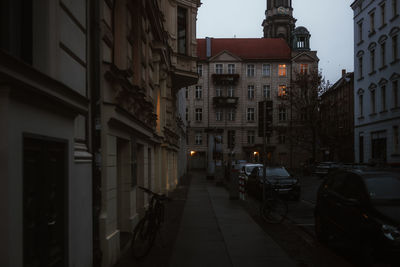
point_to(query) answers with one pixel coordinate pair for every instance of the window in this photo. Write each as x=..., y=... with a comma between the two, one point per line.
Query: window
x=303, y=68
x=182, y=30
x=250, y=70
x=187, y=114
x=231, y=91
x=360, y=31
x=395, y=89
x=282, y=90
x=383, y=55
x=218, y=115
x=396, y=139
x=372, y=22
x=200, y=70
x=250, y=114
x=199, y=92
x=282, y=139
x=394, y=48
x=394, y=8
x=373, y=102
x=383, y=98
x=282, y=114
x=231, y=139
x=282, y=70
x=250, y=92
x=218, y=91
x=382, y=14
x=199, y=114
x=219, y=68
x=267, y=92
x=231, y=68
x=360, y=67
x=372, y=55
x=187, y=92
x=266, y=70
x=231, y=115
x=198, y=138
x=361, y=105
x=250, y=137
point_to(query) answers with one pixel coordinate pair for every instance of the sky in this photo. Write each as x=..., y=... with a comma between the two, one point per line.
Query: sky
x=330, y=23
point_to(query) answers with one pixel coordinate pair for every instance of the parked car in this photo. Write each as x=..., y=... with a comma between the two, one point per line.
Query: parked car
x=361, y=207
x=277, y=177
x=323, y=168
x=248, y=168
x=238, y=164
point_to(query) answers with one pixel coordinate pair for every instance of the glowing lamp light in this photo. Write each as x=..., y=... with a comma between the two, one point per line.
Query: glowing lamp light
x=192, y=153
x=255, y=153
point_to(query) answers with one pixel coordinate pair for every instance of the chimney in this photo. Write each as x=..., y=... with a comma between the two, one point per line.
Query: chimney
x=343, y=72
x=208, y=47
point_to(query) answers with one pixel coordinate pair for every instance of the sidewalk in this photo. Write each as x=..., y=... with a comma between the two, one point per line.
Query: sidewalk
x=216, y=231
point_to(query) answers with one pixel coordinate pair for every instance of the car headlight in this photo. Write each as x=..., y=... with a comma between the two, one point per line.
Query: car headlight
x=391, y=232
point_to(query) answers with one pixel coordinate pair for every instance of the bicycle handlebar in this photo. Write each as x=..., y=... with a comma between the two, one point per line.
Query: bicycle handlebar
x=157, y=196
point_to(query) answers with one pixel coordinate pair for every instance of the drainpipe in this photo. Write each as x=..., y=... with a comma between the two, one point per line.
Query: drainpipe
x=95, y=115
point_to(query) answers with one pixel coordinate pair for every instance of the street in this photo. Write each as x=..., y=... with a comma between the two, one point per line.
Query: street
x=297, y=235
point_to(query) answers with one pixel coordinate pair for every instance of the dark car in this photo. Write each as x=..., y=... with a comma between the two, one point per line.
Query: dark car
x=278, y=177
x=362, y=208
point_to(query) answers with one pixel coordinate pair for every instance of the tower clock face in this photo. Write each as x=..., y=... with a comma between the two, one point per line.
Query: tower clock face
x=283, y=10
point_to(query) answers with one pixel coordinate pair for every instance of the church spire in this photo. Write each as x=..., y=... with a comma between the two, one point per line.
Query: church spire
x=279, y=21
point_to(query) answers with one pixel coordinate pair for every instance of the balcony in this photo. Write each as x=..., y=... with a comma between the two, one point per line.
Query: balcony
x=225, y=102
x=225, y=79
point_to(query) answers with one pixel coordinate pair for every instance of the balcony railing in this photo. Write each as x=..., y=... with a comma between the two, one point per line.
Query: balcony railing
x=225, y=102
x=225, y=79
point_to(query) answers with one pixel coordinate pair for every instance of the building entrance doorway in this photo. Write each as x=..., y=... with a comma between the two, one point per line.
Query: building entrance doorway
x=45, y=234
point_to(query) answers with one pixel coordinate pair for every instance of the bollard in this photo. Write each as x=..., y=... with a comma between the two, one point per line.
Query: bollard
x=242, y=188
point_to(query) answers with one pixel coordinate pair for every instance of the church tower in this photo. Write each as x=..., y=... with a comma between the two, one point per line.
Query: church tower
x=279, y=21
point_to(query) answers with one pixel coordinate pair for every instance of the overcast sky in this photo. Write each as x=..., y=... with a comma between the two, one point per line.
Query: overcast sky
x=330, y=23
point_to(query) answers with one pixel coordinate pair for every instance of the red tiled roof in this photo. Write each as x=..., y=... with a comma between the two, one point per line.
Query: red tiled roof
x=246, y=48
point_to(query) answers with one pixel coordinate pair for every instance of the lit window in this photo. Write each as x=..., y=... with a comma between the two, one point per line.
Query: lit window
x=303, y=68
x=250, y=70
x=250, y=114
x=282, y=90
x=282, y=70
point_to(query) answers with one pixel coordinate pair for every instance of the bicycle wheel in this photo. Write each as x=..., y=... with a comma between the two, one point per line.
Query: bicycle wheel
x=143, y=238
x=274, y=210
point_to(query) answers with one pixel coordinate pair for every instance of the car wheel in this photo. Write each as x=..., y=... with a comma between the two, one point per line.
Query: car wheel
x=320, y=229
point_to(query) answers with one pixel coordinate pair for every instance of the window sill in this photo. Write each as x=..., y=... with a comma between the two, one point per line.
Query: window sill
x=373, y=114
x=361, y=118
x=383, y=67
x=383, y=111
x=394, y=18
x=394, y=61
x=382, y=26
x=395, y=109
x=372, y=73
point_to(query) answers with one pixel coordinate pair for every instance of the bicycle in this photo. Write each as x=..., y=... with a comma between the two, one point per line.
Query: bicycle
x=145, y=232
x=273, y=209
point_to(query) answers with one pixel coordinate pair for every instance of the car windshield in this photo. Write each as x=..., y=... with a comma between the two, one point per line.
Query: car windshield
x=384, y=187
x=250, y=168
x=280, y=172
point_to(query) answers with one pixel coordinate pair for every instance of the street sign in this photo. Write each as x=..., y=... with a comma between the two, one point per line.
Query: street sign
x=268, y=119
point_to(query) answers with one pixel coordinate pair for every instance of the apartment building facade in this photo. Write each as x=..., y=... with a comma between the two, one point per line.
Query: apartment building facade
x=45, y=144
x=147, y=52
x=377, y=78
